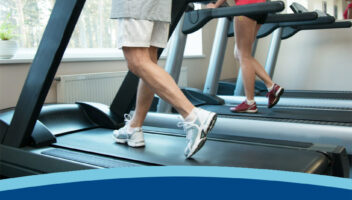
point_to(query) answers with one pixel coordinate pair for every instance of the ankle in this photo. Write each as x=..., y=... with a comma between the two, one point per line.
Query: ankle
x=250, y=102
x=271, y=87
x=191, y=116
x=132, y=125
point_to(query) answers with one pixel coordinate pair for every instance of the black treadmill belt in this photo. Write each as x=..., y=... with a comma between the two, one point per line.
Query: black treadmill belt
x=338, y=116
x=216, y=135
x=168, y=150
x=318, y=94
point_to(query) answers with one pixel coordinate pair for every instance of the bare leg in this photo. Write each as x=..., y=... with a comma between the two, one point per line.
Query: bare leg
x=259, y=69
x=144, y=96
x=246, y=29
x=159, y=81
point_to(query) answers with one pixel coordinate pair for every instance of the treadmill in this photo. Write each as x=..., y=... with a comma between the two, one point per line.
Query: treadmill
x=337, y=99
x=323, y=115
x=301, y=114
x=304, y=124
x=190, y=24
x=38, y=139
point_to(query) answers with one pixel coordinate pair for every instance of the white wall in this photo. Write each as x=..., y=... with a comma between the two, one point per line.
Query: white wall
x=317, y=60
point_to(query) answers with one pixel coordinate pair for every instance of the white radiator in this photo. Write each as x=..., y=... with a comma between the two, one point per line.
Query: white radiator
x=97, y=87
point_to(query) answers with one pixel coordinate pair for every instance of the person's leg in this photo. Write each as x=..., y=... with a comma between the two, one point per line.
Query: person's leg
x=197, y=122
x=244, y=30
x=274, y=90
x=145, y=95
x=160, y=82
x=142, y=62
x=259, y=69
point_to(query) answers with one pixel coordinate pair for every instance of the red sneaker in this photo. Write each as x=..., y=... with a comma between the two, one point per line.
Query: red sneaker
x=245, y=108
x=274, y=95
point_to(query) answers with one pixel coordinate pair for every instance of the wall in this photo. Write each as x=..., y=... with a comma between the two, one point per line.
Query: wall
x=12, y=76
x=316, y=60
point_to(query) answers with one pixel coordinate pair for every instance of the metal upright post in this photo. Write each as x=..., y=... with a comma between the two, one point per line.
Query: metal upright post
x=273, y=52
x=217, y=56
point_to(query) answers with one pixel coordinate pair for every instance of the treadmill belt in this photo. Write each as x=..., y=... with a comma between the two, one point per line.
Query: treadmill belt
x=218, y=135
x=347, y=95
x=168, y=150
x=288, y=113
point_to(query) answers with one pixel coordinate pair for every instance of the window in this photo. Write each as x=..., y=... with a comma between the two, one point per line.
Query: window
x=94, y=30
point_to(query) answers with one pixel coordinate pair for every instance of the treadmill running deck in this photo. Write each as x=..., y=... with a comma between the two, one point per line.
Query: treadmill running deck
x=168, y=150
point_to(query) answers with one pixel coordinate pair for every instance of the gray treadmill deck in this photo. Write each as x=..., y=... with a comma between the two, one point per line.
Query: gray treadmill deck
x=168, y=150
x=345, y=95
x=308, y=114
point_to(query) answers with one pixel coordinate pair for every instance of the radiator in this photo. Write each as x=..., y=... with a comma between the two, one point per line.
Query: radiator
x=97, y=87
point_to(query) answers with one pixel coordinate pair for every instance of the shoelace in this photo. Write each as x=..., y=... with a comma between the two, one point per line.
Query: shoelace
x=127, y=119
x=187, y=125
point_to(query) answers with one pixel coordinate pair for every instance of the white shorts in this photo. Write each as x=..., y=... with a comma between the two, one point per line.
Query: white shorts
x=141, y=33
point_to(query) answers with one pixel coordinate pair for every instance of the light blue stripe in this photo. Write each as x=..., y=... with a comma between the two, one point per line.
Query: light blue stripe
x=145, y=172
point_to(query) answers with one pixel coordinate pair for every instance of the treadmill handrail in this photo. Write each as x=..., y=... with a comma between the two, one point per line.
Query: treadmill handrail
x=197, y=19
x=272, y=22
x=291, y=28
x=295, y=17
x=337, y=24
x=267, y=29
x=291, y=31
x=327, y=19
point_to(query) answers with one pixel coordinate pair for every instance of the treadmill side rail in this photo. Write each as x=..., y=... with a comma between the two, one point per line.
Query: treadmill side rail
x=41, y=135
x=22, y=162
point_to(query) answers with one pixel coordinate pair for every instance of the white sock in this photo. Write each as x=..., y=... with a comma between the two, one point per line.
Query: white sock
x=271, y=88
x=192, y=116
x=131, y=129
x=250, y=102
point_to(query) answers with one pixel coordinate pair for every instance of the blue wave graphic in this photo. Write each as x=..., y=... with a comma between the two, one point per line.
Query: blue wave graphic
x=176, y=182
x=178, y=188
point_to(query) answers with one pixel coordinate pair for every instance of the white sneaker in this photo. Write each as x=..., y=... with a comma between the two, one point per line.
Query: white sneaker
x=132, y=136
x=197, y=130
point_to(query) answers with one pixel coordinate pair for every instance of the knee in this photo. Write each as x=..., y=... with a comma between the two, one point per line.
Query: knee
x=136, y=65
x=242, y=56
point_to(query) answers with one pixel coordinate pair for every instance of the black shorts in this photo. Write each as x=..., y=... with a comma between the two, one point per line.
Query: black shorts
x=259, y=18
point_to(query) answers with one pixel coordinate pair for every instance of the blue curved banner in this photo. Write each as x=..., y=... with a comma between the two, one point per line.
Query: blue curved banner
x=176, y=182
